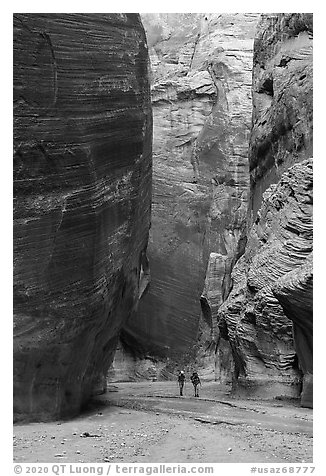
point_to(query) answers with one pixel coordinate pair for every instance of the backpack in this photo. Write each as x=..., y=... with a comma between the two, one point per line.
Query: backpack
x=195, y=379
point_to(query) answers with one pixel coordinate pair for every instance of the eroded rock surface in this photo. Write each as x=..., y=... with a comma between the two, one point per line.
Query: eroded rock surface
x=272, y=281
x=295, y=293
x=274, y=264
x=282, y=99
x=201, y=94
x=82, y=194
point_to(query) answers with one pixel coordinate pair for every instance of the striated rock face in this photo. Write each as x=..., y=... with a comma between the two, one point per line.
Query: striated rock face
x=282, y=99
x=295, y=293
x=82, y=194
x=201, y=95
x=271, y=299
x=252, y=318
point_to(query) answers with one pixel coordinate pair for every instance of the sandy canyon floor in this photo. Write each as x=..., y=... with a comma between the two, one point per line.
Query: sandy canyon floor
x=148, y=422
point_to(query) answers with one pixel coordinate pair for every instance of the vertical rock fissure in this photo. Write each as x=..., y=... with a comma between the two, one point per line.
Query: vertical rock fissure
x=194, y=51
x=201, y=79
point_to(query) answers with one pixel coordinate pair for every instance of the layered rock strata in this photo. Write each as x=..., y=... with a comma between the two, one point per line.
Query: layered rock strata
x=272, y=281
x=82, y=196
x=282, y=99
x=201, y=95
x=294, y=291
x=267, y=280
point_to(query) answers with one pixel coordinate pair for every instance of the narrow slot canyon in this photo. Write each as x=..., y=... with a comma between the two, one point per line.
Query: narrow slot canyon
x=163, y=222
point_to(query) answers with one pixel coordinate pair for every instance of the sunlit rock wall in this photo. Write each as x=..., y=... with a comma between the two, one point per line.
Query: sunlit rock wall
x=201, y=94
x=272, y=282
x=82, y=195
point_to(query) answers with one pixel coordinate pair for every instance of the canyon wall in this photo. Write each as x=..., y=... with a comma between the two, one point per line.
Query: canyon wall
x=267, y=317
x=82, y=197
x=201, y=66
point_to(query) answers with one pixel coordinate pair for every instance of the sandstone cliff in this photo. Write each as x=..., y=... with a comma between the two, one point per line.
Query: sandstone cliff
x=282, y=99
x=201, y=95
x=272, y=281
x=82, y=195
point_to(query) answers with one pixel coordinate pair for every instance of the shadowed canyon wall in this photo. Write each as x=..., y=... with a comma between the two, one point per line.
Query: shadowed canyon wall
x=270, y=303
x=82, y=197
x=201, y=94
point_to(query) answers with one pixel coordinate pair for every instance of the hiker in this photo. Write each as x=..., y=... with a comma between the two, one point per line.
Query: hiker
x=181, y=381
x=196, y=382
